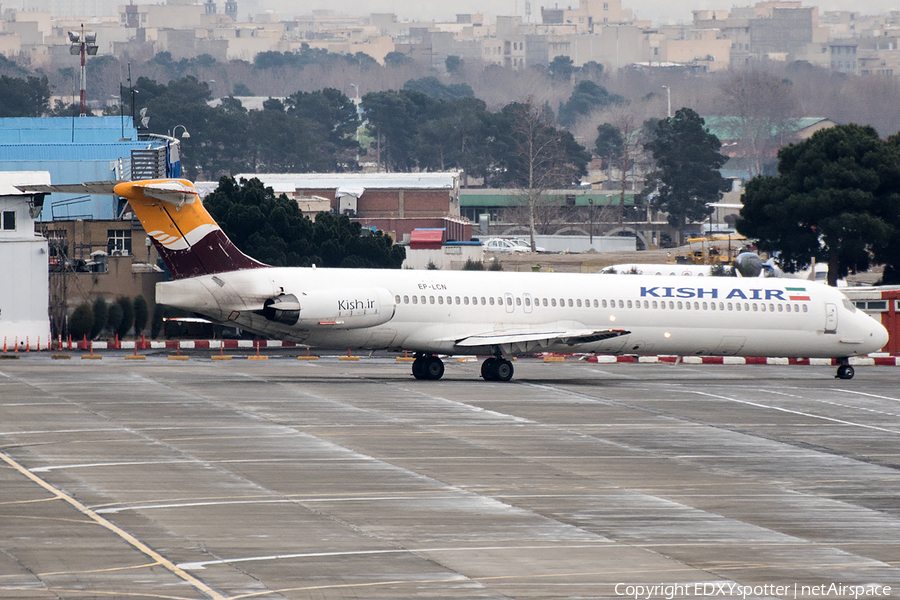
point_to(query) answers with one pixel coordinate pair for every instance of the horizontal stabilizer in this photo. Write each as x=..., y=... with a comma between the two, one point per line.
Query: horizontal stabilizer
x=90, y=187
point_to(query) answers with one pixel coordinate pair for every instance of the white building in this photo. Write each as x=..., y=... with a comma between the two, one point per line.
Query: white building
x=24, y=292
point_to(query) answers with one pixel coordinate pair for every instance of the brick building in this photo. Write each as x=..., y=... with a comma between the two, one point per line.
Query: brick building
x=395, y=203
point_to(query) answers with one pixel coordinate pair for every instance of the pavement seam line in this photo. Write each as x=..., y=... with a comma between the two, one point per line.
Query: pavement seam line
x=107, y=524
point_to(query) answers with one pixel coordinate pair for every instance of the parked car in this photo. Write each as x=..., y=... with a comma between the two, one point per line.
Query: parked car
x=527, y=245
x=504, y=245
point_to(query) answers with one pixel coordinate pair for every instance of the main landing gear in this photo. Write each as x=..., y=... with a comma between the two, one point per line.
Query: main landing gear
x=427, y=366
x=844, y=370
x=496, y=368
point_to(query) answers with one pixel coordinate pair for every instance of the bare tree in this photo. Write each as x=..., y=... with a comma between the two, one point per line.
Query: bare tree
x=761, y=109
x=543, y=157
x=629, y=120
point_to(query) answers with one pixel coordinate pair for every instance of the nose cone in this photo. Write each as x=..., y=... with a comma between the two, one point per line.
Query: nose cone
x=878, y=335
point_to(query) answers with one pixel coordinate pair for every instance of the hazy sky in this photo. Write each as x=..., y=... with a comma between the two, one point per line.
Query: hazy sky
x=654, y=10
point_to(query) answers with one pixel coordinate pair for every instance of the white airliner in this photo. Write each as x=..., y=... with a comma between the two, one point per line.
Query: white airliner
x=484, y=313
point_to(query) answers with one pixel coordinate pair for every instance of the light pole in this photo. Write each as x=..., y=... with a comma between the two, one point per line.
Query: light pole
x=668, y=101
x=185, y=135
x=591, y=204
x=356, y=105
x=83, y=44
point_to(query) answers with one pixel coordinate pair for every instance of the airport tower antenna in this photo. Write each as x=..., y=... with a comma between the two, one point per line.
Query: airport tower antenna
x=83, y=44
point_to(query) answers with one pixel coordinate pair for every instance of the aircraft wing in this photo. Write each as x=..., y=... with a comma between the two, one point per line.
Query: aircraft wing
x=533, y=340
x=91, y=187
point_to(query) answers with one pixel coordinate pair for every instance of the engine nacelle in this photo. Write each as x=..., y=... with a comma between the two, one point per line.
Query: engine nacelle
x=352, y=308
x=748, y=264
x=282, y=309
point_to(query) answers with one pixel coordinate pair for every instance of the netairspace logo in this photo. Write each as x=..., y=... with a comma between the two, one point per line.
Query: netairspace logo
x=735, y=590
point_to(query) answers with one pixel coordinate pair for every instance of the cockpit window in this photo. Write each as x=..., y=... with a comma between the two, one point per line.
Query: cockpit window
x=849, y=305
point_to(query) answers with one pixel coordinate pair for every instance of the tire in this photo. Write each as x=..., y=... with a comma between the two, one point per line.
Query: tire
x=434, y=368
x=487, y=369
x=503, y=370
x=418, y=368
x=845, y=372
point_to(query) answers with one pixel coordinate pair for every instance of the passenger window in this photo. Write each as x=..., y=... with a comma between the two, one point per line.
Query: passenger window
x=713, y=304
x=654, y=304
x=397, y=299
x=687, y=305
x=772, y=307
x=466, y=300
x=805, y=309
x=405, y=299
x=527, y=301
x=729, y=306
x=696, y=306
x=518, y=301
x=679, y=305
x=787, y=307
x=578, y=303
x=483, y=301
x=415, y=299
x=545, y=302
x=603, y=303
x=629, y=304
x=500, y=301
x=621, y=304
x=596, y=304
x=552, y=301
x=571, y=303
x=430, y=299
x=457, y=300
x=423, y=299
x=737, y=306
x=492, y=300
x=440, y=299
x=721, y=306
x=509, y=301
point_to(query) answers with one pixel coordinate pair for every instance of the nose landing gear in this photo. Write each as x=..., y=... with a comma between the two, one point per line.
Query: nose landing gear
x=844, y=370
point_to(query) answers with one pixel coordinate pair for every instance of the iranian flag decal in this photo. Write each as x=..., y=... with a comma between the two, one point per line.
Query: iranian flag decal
x=797, y=293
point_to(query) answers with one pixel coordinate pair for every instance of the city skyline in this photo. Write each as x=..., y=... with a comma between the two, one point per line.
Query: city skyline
x=656, y=11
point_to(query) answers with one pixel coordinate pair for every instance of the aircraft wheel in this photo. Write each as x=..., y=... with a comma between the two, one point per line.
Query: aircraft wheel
x=845, y=372
x=418, y=367
x=433, y=368
x=487, y=369
x=503, y=370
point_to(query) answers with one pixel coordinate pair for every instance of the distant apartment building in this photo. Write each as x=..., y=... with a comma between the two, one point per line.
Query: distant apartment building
x=588, y=15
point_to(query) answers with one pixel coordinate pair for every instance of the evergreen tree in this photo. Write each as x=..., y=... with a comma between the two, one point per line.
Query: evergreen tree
x=81, y=322
x=140, y=314
x=101, y=317
x=274, y=230
x=687, y=176
x=836, y=199
x=127, y=307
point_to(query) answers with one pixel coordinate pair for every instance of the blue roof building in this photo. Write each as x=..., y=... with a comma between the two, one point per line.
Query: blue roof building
x=79, y=149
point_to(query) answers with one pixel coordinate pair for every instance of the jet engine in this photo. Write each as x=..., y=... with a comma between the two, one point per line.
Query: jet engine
x=748, y=264
x=338, y=309
x=282, y=309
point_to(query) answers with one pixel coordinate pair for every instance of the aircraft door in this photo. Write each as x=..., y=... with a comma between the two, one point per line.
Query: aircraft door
x=831, y=318
x=508, y=301
x=527, y=300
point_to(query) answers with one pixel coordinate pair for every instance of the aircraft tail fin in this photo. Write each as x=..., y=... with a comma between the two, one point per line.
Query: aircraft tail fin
x=189, y=241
